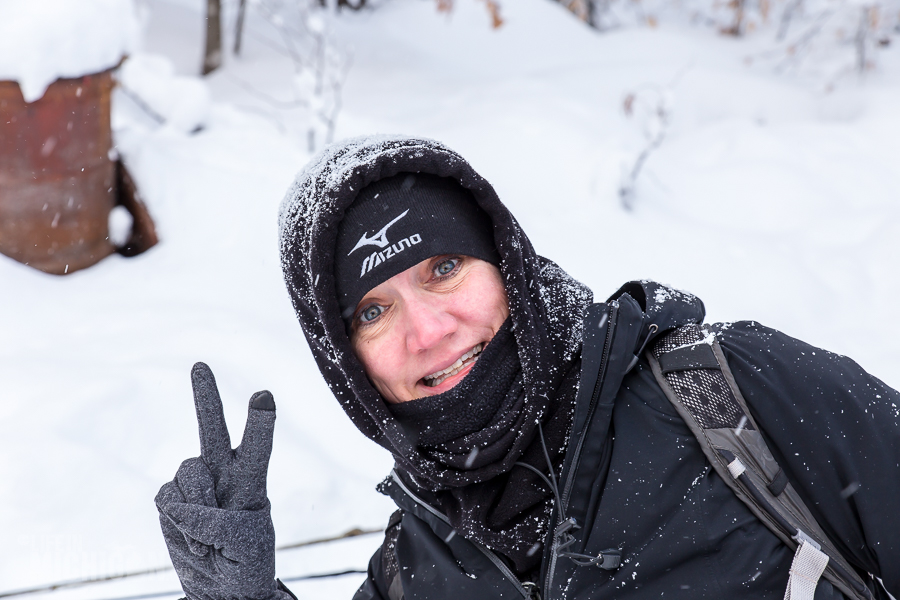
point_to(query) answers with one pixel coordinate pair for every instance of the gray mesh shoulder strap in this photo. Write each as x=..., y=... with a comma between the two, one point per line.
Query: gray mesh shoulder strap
x=689, y=366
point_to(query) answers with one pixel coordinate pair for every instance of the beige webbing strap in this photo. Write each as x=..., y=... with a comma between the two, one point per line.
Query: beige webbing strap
x=809, y=563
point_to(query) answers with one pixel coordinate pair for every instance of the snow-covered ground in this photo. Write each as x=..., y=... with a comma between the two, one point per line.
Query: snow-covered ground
x=770, y=198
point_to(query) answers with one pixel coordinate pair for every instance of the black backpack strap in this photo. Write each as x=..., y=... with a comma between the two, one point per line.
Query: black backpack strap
x=692, y=371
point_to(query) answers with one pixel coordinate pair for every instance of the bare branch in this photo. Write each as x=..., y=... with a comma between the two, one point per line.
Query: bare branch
x=239, y=27
x=212, y=56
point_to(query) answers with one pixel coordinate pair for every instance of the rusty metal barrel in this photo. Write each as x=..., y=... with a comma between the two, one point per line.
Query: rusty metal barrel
x=57, y=174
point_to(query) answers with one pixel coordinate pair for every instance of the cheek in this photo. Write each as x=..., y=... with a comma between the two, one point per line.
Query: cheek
x=373, y=359
x=500, y=312
x=485, y=310
x=494, y=303
x=382, y=364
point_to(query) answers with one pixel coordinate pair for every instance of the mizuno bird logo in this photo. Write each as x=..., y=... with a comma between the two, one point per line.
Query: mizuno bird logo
x=379, y=239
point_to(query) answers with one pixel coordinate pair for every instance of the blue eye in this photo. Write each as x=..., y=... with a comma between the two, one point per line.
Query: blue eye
x=445, y=266
x=370, y=313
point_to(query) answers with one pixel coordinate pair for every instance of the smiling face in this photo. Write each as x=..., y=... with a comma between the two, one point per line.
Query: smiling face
x=419, y=333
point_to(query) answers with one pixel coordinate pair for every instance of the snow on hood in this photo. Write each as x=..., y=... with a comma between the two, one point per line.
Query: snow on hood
x=44, y=40
x=663, y=306
x=544, y=301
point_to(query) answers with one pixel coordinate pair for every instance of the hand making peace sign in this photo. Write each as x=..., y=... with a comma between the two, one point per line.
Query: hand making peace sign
x=215, y=513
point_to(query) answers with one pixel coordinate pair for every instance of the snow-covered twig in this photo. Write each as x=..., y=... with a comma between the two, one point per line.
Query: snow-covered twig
x=655, y=124
x=831, y=37
x=140, y=103
x=786, y=17
x=320, y=67
x=795, y=50
x=267, y=98
x=860, y=38
x=652, y=105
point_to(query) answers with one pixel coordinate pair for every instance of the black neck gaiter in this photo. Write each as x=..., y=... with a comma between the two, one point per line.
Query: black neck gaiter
x=473, y=426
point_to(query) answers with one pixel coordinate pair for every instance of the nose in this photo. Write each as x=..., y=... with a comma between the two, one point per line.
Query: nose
x=428, y=322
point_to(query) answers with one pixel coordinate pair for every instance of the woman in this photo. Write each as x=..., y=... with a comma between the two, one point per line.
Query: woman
x=451, y=343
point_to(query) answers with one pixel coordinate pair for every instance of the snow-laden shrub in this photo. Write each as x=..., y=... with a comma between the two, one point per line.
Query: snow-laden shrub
x=302, y=32
x=825, y=37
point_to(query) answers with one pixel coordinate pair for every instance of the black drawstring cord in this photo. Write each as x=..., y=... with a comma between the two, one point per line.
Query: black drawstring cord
x=551, y=483
x=549, y=462
x=543, y=477
x=637, y=355
x=608, y=559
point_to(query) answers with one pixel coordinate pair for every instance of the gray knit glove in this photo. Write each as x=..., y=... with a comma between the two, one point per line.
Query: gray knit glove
x=215, y=513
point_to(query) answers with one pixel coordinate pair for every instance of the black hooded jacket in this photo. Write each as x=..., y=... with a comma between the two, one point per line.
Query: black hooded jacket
x=633, y=475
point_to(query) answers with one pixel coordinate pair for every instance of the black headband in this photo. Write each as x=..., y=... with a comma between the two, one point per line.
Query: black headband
x=397, y=222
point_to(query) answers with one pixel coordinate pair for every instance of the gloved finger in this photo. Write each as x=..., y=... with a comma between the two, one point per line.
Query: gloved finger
x=238, y=534
x=170, y=494
x=252, y=456
x=173, y=533
x=196, y=483
x=215, y=444
x=176, y=541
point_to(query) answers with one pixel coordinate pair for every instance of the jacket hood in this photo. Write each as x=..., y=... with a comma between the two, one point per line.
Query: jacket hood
x=545, y=304
x=661, y=305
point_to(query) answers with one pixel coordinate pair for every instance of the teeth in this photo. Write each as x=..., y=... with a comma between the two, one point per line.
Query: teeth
x=438, y=377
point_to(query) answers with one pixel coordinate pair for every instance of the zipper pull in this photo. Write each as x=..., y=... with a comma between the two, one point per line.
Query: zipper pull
x=637, y=355
x=564, y=539
x=566, y=526
x=532, y=590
